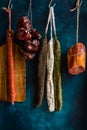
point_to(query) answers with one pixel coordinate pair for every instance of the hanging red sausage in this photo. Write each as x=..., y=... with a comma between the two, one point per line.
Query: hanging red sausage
x=10, y=59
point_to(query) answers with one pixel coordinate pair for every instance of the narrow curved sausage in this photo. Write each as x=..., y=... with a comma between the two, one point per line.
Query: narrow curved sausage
x=57, y=75
x=42, y=61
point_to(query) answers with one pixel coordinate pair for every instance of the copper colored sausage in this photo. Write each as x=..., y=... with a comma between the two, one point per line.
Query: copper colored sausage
x=77, y=59
x=10, y=67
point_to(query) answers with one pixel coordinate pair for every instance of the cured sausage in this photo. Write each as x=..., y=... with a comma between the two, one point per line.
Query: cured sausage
x=10, y=67
x=42, y=62
x=29, y=37
x=57, y=75
x=77, y=59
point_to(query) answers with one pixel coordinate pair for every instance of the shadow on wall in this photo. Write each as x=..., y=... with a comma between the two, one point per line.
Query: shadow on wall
x=77, y=118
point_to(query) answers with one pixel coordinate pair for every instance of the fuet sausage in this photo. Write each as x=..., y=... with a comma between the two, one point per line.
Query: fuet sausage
x=57, y=75
x=41, y=73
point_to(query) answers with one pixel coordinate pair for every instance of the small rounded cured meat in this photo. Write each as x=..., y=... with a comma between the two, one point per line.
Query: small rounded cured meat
x=35, y=34
x=76, y=59
x=26, y=55
x=32, y=46
x=23, y=34
x=24, y=22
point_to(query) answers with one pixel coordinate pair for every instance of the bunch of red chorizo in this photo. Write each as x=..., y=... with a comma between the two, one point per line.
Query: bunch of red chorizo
x=29, y=36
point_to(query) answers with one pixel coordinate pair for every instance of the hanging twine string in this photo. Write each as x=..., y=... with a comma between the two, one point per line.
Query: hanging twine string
x=8, y=10
x=53, y=17
x=78, y=4
x=51, y=23
x=50, y=19
x=48, y=22
x=9, y=4
x=30, y=12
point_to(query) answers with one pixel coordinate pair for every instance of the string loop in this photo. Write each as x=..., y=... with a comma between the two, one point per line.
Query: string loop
x=78, y=4
x=8, y=10
x=51, y=19
x=30, y=12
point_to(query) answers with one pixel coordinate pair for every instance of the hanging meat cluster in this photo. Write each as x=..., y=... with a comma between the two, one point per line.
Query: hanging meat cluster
x=29, y=36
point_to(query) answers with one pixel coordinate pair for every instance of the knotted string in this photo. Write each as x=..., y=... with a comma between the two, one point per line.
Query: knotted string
x=78, y=4
x=51, y=22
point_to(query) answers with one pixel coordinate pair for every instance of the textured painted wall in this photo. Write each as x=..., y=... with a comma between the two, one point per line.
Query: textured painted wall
x=23, y=116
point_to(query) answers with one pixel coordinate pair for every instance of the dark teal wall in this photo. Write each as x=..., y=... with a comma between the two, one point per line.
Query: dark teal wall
x=23, y=116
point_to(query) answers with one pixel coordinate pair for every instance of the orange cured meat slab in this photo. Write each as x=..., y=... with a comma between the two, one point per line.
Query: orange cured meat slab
x=77, y=59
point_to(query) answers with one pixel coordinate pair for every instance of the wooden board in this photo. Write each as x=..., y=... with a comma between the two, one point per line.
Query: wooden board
x=20, y=75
